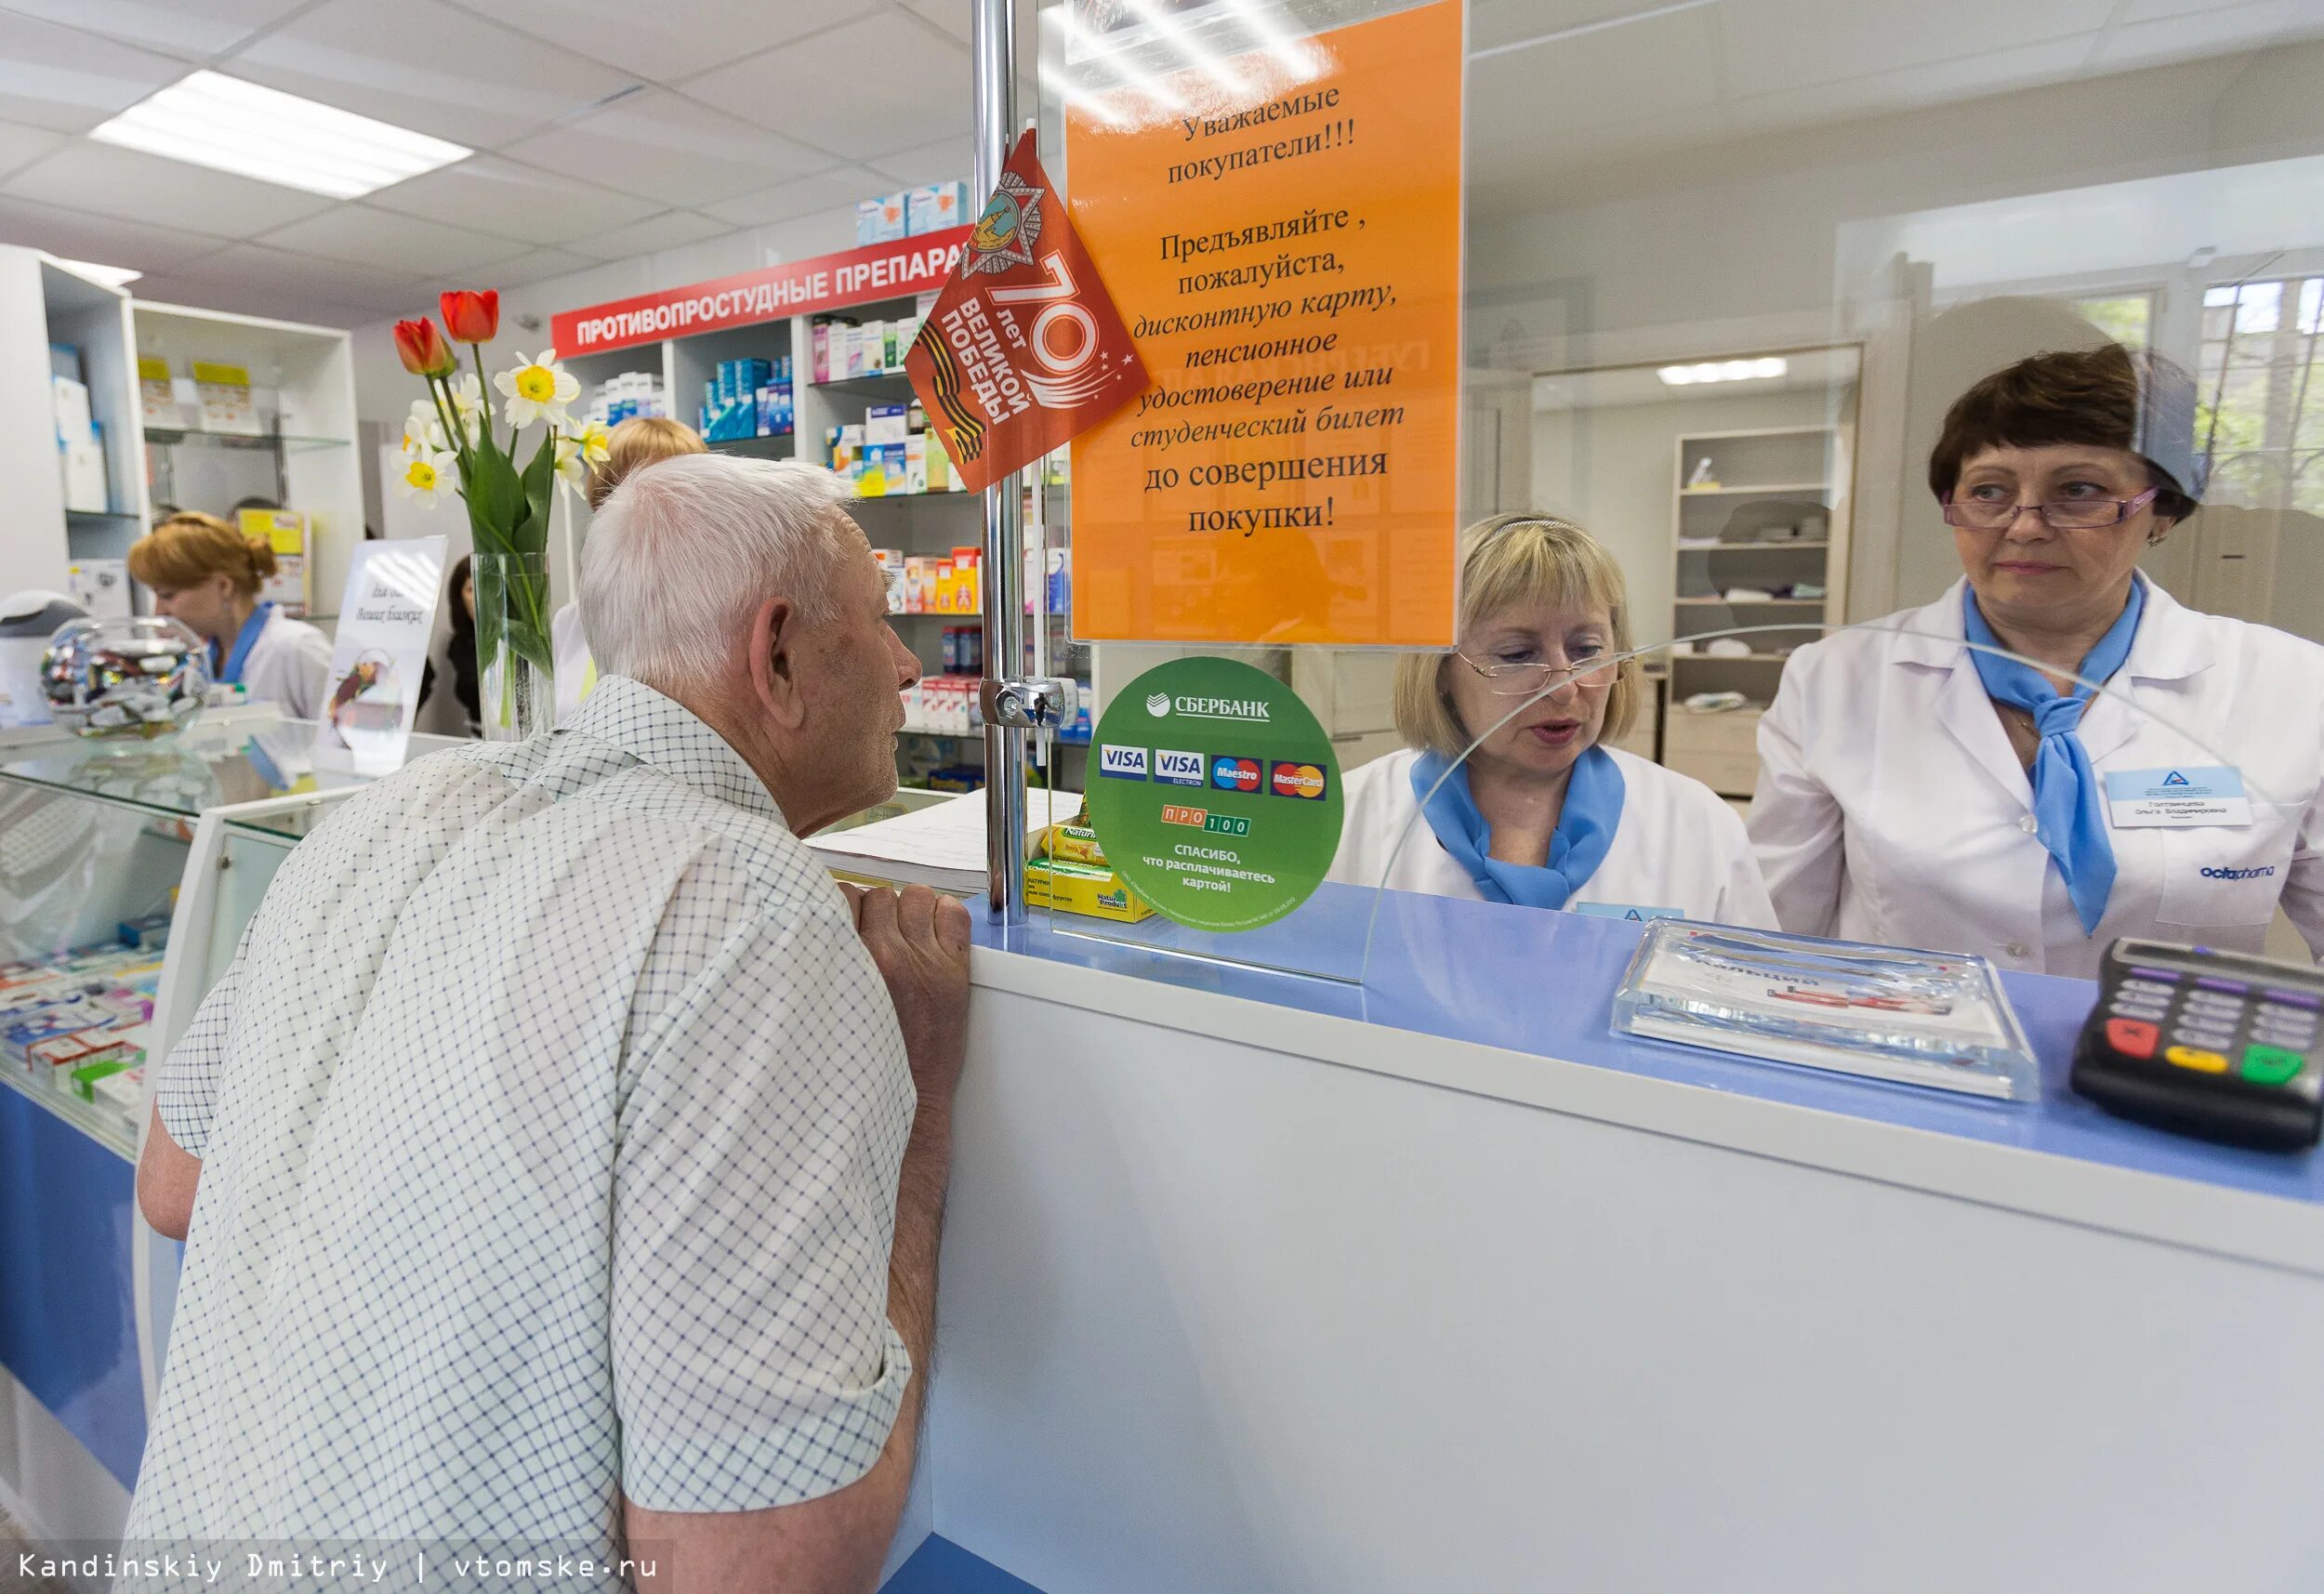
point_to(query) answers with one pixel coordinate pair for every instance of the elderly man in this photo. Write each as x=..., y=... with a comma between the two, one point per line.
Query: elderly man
x=563, y=1151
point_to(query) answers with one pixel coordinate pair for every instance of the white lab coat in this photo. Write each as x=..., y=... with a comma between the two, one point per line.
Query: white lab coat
x=289, y=663
x=1891, y=807
x=1679, y=845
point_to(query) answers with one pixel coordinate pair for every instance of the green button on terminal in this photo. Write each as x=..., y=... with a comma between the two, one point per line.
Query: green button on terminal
x=2271, y=1064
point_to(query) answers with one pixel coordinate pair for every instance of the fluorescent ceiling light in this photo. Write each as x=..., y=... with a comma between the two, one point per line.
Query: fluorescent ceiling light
x=1201, y=59
x=213, y=120
x=112, y=276
x=1724, y=371
x=1080, y=45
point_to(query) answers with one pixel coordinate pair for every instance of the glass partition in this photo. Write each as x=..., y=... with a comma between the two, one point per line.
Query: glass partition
x=1912, y=422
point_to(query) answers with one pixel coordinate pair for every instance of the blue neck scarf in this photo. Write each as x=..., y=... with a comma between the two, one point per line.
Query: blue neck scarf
x=230, y=671
x=2069, y=806
x=1585, y=829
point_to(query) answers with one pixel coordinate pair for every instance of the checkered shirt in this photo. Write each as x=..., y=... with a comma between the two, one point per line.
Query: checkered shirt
x=550, y=1116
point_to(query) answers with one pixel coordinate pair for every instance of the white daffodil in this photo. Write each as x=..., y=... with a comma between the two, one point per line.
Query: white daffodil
x=423, y=432
x=468, y=403
x=569, y=467
x=595, y=440
x=427, y=473
x=536, y=390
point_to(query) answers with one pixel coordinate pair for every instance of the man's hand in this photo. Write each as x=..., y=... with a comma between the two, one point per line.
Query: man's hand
x=919, y=940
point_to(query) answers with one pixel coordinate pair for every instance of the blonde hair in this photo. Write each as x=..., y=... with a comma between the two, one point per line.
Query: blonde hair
x=188, y=549
x=1507, y=561
x=636, y=443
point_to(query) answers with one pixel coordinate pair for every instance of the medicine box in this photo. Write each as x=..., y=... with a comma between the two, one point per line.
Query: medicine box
x=891, y=562
x=885, y=423
x=881, y=220
x=1088, y=889
x=935, y=206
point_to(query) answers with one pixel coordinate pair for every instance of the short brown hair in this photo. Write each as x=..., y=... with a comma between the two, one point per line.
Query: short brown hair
x=190, y=548
x=2104, y=398
x=636, y=443
x=1504, y=562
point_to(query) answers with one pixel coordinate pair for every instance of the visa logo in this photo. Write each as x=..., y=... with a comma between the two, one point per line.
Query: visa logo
x=1122, y=763
x=1177, y=769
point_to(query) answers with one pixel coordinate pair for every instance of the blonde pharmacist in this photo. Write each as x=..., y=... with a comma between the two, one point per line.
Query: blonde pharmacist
x=1543, y=814
x=631, y=446
x=1918, y=793
x=207, y=576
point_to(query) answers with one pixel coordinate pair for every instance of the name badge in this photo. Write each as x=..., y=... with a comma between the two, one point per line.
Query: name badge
x=2146, y=799
x=1629, y=910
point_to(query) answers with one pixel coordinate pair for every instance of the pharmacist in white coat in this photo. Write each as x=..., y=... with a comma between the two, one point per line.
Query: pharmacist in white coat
x=207, y=576
x=1916, y=791
x=1543, y=814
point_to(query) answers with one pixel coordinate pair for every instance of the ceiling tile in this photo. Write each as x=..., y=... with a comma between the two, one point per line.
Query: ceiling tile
x=687, y=36
x=139, y=187
x=422, y=64
x=2219, y=32
x=104, y=239
x=1778, y=45
x=1645, y=73
x=947, y=160
x=532, y=268
x=20, y=146
x=1494, y=24
x=307, y=277
x=671, y=229
x=952, y=16
x=669, y=150
x=361, y=236
x=71, y=81
x=862, y=89
x=513, y=201
x=1938, y=83
x=194, y=30
x=837, y=189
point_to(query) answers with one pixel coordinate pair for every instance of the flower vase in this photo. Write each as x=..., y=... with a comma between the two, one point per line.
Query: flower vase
x=516, y=667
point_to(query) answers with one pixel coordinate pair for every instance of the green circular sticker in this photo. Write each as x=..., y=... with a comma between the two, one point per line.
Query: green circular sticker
x=1214, y=791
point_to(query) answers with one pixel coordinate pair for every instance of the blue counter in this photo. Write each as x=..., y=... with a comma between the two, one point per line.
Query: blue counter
x=1544, y=983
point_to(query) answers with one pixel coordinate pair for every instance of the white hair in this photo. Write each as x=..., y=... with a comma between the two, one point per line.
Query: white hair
x=684, y=551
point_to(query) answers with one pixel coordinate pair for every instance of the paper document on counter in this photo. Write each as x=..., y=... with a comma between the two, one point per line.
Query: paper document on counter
x=942, y=845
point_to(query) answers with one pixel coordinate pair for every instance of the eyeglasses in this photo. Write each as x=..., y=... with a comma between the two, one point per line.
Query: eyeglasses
x=2065, y=515
x=1526, y=680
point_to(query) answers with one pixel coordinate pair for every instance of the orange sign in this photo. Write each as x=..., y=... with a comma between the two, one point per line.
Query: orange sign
x=1282, y=229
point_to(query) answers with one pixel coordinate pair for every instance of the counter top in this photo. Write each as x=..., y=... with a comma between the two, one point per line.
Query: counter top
x=1537, y=989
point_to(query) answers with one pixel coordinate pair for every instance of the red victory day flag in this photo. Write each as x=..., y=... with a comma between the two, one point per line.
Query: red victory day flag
x=1025, y=350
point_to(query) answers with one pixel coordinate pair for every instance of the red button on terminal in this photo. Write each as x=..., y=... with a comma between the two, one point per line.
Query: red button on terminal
x=2131, y=1038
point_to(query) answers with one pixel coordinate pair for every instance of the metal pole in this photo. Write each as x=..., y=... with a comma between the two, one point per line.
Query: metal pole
x=992, y=47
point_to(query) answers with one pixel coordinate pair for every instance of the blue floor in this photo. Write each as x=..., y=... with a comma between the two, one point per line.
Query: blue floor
x=940, y=1566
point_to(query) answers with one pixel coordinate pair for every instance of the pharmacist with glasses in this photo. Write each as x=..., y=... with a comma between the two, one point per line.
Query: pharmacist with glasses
x=1916, y=790
x=1542, y=813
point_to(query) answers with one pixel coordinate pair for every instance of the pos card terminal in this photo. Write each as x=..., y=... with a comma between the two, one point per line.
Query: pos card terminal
x=2217, y=1043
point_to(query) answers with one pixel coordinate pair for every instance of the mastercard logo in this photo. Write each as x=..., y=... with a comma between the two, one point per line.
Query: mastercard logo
x=1231, y=774
x=1298, y=781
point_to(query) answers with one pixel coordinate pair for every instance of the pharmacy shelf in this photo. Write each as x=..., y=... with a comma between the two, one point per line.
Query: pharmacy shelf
x=1690, y=546
x=161, y=437
x=877, y=384
x=1723, y=491
x=774, y=445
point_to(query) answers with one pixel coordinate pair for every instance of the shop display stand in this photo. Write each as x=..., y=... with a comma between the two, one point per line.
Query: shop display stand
x=304, y=457
x=1723, y=538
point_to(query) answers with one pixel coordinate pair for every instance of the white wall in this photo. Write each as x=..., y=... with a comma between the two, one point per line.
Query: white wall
x=1609, y=469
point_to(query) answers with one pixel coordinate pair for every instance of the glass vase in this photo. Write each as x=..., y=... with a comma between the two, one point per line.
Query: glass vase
x=516, y=669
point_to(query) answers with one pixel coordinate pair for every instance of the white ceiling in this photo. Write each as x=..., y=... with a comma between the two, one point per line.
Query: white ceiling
x=606, y=130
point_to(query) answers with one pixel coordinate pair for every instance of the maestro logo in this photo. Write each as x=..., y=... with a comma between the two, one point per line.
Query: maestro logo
x=1230, y=773
x=1159, y=704
x=1297, y=779
x=1122, y=763
x=1177, y=769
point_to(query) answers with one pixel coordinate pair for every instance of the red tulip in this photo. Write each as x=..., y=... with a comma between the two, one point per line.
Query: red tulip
x=471, y=317
x=422, y=348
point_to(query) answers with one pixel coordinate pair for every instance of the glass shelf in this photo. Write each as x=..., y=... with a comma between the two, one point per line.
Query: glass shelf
x=776, y=445
x=882, y=383
x=107, y=1129
x=269, y=442
x=182, y=773
x=100, y=514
